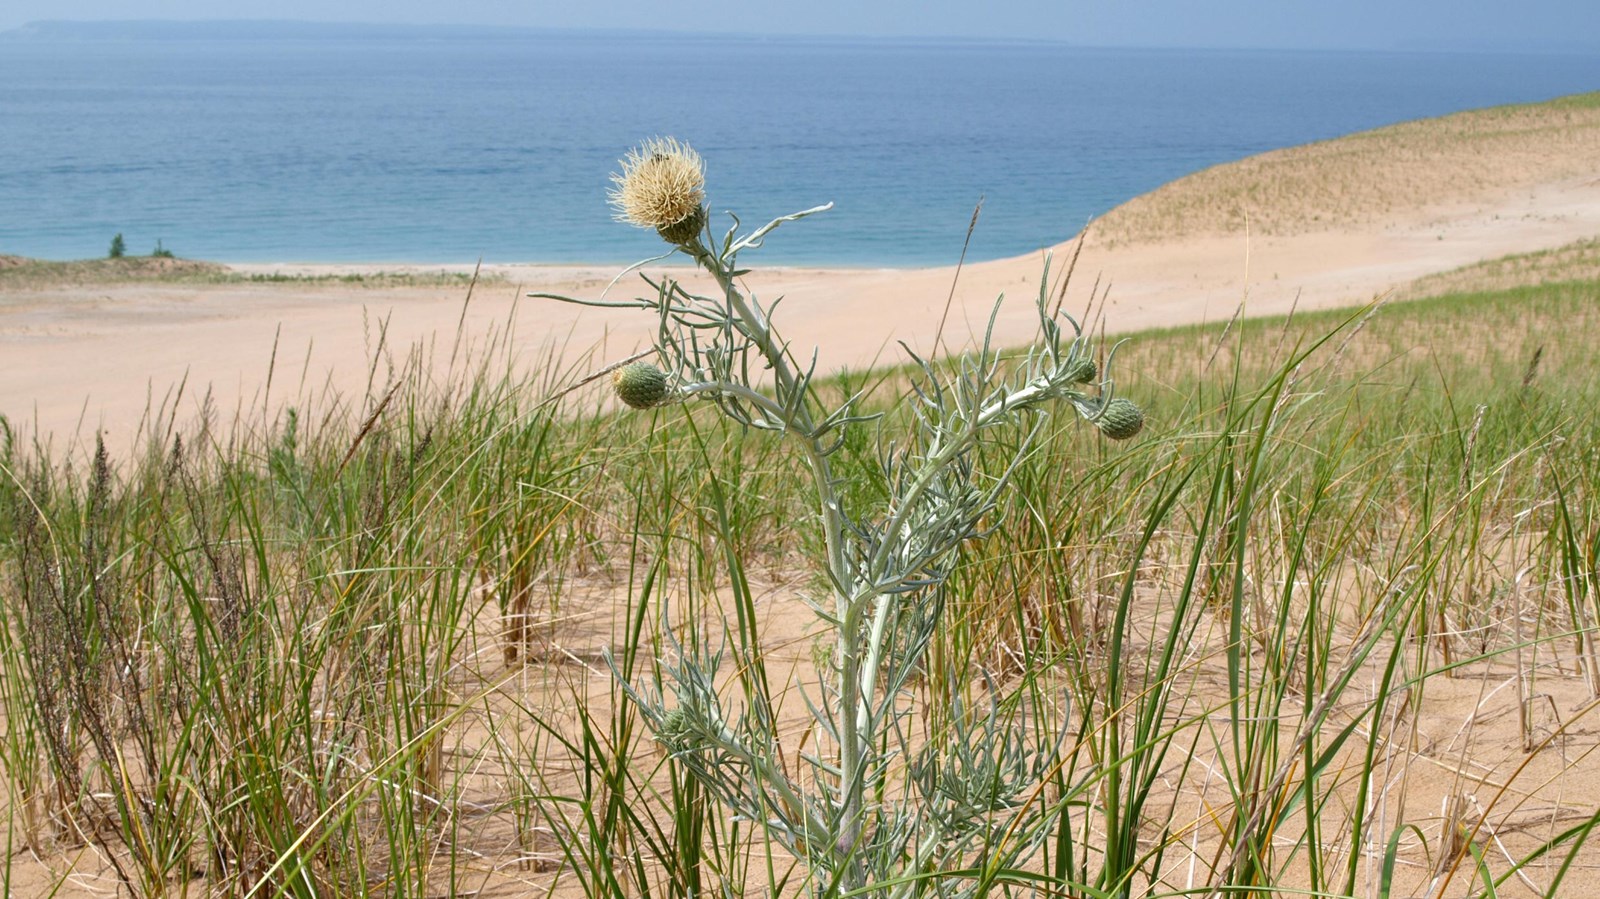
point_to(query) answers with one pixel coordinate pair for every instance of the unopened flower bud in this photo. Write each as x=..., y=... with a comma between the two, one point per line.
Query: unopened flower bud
x=1083, y=371
x=676, y=732
x=1120, y=419
x=640, y=385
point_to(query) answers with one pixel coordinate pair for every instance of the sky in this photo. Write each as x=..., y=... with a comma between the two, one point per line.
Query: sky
x=1531, y=25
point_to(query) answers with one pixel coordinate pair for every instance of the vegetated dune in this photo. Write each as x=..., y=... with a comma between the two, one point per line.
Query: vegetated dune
x=19, y=272
x=1371, y=178
x=1577, y=261
x=1401, y=584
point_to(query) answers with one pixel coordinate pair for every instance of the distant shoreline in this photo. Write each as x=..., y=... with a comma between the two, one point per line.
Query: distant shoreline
x=42, y=273
x=1334, y=185
x=439, y=152
x=1358, y=181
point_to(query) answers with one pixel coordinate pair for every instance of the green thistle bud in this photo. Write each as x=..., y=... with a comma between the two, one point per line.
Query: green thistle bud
x=676, y=732
x=640, y=385
x=1120, y=419
x=1083, y=371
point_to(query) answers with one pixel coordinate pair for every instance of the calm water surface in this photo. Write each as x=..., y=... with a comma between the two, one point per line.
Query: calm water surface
x=398, y=149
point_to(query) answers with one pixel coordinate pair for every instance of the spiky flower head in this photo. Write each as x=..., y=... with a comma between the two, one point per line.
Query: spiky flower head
x=1120, y=419
x=640, y=385
x=662, y=186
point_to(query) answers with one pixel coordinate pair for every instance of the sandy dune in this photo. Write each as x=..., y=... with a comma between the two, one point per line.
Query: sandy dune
x=80, y=358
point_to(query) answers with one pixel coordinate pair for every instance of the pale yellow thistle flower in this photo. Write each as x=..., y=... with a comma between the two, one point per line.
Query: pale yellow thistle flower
x=662, y=186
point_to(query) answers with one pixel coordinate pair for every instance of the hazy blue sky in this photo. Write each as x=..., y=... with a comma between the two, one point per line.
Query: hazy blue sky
x=1382, y=24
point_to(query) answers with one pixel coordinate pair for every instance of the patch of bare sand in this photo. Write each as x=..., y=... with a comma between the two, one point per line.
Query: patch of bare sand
x=81, y=359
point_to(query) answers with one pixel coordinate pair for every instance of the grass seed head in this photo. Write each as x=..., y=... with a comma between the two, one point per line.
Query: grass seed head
x=661, y=186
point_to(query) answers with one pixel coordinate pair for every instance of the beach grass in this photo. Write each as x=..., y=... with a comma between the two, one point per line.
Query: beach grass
x=1577, y=262
x=1360, y=180
x=1327, y=627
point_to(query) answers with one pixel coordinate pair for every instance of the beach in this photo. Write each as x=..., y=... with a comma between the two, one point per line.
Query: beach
x=102, y=357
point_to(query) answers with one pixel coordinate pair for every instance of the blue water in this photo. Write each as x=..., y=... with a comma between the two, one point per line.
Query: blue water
x=398, y=149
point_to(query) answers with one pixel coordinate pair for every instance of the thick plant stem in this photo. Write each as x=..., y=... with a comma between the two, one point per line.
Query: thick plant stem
x=854, y=716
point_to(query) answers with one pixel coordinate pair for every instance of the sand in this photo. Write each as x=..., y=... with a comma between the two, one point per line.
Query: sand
x=87, y=357
x=81, y=358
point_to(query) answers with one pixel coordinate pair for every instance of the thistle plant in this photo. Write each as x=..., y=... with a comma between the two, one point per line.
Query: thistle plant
x=880, y=804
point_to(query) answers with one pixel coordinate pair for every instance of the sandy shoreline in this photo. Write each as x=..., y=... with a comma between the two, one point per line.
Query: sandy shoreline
x=90, y=356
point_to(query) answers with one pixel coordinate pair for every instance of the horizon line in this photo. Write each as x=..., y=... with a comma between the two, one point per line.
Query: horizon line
x=24, y=31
